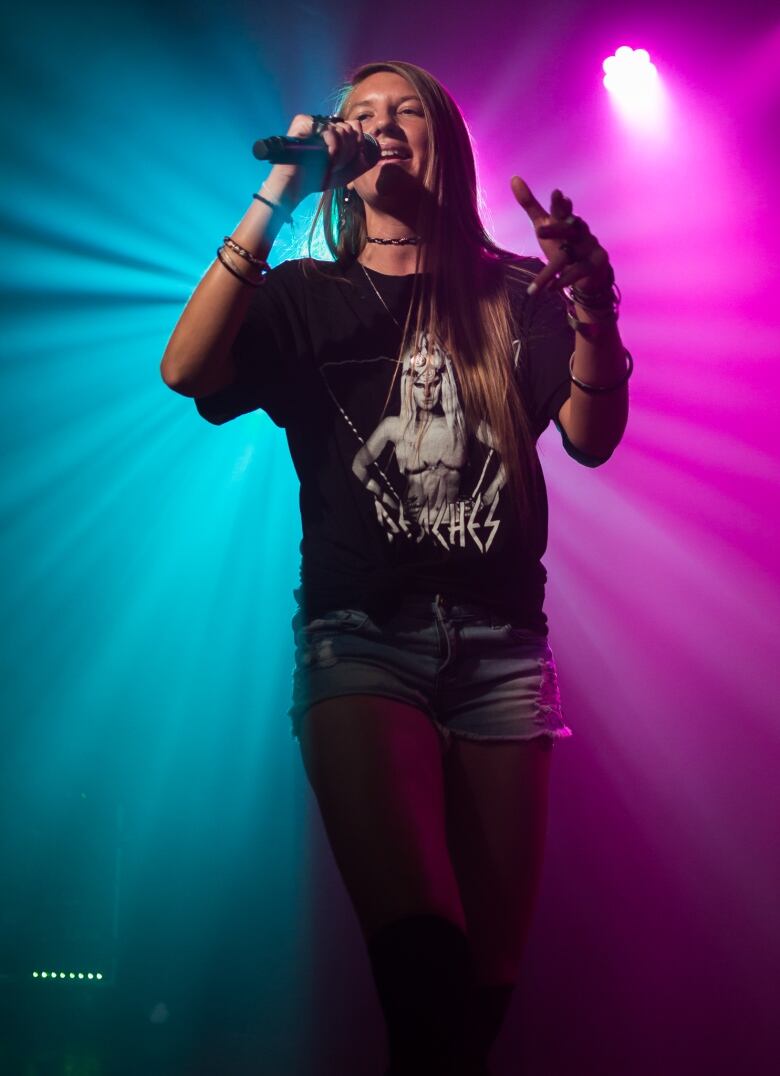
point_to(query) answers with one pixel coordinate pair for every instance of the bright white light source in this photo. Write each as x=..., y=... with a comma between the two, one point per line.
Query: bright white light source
x=629, y=71
x=632, y=80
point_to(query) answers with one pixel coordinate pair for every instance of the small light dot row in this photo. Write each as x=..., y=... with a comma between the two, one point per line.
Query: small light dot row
x=67, y=975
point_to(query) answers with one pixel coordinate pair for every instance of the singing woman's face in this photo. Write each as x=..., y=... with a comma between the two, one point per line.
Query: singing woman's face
x=387, y=107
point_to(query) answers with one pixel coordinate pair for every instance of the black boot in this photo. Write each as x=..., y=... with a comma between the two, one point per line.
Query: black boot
x=488, y=1008
x=424, y=975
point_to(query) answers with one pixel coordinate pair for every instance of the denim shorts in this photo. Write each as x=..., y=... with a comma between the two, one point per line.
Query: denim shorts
x=471, y=672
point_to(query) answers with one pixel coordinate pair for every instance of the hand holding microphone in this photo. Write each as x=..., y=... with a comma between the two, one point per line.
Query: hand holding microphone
x=318, y=152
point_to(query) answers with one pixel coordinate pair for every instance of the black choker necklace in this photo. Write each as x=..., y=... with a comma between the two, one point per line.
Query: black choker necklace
x=408, y=240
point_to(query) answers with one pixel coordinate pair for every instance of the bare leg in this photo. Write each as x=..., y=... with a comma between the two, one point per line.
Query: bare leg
x=375, y=767
x=496, y=797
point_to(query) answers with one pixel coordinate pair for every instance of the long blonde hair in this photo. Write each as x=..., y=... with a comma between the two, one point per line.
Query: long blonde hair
x=461, y=283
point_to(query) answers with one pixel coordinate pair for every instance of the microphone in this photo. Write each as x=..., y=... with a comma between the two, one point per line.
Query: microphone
x=284, y=149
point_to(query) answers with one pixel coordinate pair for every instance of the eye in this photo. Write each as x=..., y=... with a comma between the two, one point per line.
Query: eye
x=362, y=116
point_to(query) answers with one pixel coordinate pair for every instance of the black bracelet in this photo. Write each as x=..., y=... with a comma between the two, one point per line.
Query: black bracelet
x=586, y=328
x=275, y=206
x=595, y=389
x=224, y=258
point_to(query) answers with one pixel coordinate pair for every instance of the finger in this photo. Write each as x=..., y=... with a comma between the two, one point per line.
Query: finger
x=332, y=139
x=301, y=126
x=544, y=277
x=360, y=140
x=350, y=161
x=354, y=163
x=522, y=193
x=573, y=229
x=342, y=142
x=560, y=205
x=351, y=140
x=570, y=274
x=356, y=127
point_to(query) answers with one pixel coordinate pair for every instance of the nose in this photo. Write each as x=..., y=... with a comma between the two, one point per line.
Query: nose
x=383, y=121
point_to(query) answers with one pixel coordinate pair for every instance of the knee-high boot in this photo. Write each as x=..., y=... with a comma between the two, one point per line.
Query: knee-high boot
x=488, y=1008
x=424, y=975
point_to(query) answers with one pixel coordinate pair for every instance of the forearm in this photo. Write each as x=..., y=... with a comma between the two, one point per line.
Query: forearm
x=197, y=358
x=596, y=421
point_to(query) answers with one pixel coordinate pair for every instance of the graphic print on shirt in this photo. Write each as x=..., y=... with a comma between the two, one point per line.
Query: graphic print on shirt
x=431, y=482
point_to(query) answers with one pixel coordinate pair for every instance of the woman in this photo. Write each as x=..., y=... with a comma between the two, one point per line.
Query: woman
x=413, y=375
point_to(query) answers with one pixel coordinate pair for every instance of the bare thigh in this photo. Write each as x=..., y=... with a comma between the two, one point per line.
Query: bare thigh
x=375, y=766
x=496, y=795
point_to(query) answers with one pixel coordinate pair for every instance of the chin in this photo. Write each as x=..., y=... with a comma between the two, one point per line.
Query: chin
x=394, y=179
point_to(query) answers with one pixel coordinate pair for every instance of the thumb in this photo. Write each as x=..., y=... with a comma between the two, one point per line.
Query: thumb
x=524, y=196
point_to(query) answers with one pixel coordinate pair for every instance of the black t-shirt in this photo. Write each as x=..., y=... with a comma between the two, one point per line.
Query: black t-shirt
x=396, y=495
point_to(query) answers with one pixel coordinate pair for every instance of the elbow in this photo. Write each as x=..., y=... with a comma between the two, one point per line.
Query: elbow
x=593, y=454
x=588, y=460
x=171, y=375
x=192, y=382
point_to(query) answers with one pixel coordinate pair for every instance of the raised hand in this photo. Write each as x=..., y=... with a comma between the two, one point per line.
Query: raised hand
x=574, y=255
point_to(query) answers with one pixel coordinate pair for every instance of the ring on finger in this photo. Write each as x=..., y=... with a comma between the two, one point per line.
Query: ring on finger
x=319, y=123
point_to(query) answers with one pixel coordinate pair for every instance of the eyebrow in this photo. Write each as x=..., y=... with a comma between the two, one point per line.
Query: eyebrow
x=409, y=97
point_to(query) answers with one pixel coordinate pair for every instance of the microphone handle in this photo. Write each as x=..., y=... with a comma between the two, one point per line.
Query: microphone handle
x=284, y=149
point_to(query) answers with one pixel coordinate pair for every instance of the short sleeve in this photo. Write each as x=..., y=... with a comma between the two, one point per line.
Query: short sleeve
x=264, y=353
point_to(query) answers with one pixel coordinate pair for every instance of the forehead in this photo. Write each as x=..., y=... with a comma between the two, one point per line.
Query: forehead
x=382, y=84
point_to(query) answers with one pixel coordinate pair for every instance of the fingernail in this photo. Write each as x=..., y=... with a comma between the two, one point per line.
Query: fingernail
x=532, y=288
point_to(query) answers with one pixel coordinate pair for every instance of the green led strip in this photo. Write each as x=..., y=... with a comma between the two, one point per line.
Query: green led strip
x=93, y=975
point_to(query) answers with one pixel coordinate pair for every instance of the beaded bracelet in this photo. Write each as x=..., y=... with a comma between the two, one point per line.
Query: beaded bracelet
x=227, y=261
x=597, y=300
x=259, y=263
x=595, y=389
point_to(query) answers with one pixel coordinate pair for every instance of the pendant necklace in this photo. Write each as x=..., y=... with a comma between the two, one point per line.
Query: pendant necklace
x=379, y=296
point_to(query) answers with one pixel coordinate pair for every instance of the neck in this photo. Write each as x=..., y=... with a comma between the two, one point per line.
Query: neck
x=396, y=261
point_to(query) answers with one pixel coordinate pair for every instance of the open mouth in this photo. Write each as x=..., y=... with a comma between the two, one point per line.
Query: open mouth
x=395, y=155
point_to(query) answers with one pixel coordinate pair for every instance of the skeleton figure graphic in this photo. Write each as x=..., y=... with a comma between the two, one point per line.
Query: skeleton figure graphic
x=429, y=442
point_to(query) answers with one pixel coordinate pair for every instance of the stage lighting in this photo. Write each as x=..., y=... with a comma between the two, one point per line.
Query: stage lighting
x=633, y=84
x=629, y=72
